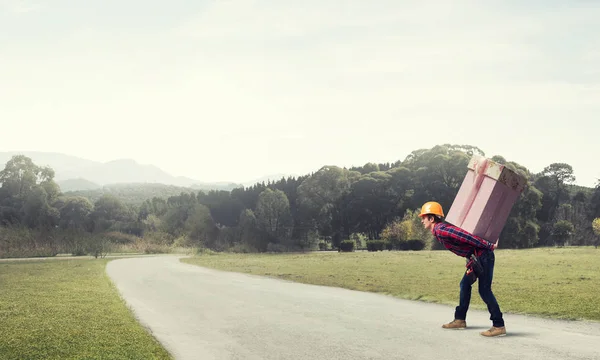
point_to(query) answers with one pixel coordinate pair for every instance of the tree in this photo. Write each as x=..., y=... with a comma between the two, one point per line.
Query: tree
x=75, y=212
x=26, y=192
x=319, y=194
x=562, y=231
x=249, y=233
x=521, y=229
x=20, y=175
x=559, y=174
x=273, y=215
x=224, y=208
x=594, y=209
x=371, y=204
x=369, y=168
x=439, y=172
x=596, y=228
x=201, y=228
x=397, y=232
x=108, y=210
x=37, y=212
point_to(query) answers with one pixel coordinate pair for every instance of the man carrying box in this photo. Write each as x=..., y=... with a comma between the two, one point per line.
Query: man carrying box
x=480, y=265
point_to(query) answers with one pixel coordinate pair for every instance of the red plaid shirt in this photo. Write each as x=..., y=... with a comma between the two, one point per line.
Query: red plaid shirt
x=459, y=241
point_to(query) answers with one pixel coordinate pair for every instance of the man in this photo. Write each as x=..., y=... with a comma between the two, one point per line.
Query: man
x=465, y=244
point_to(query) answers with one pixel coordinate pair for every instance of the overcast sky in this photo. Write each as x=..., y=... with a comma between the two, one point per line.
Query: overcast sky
x=234, y=90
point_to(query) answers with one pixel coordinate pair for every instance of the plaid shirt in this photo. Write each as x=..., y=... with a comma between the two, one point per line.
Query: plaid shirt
x=459, y=241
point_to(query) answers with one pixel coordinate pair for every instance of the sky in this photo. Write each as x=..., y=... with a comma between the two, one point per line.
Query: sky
x=233, y=90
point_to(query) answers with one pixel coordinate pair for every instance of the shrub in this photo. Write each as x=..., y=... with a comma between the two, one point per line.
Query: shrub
x=276, y=248
x=20, y=242
x=415, y=244
x=182, y=241
x=204, y=251
x=359, y=238
x=159, y=238
x=322, y=245
x=146, y=247
x=99, y=245
x=242, y=248
x=375, y=245
x=347, y=245
x=117, y=237
x=396, y=232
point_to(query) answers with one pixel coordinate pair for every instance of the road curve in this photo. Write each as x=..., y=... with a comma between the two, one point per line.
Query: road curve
x=199, y=313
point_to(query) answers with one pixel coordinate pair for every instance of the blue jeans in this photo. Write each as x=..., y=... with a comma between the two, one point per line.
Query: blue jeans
x=487, y=260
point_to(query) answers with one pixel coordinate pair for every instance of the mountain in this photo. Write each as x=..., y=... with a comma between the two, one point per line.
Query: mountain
x=132, y=193
x=73, y=173
x=77, y=184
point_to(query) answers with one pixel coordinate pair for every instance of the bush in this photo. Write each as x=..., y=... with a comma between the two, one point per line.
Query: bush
x=182, y=241
x=375, y=245
x=396, y=232
x=322, y=245
x=117, y=237
x=415, y=244
x=99, y=245
x=276, y=248
x=145, y=247
x=159, y=238
x=21, y=242
x=347, y=245
x=204, y=251
x=242, y=248
x=130, y=228
x=359, y=238
x=75, y=242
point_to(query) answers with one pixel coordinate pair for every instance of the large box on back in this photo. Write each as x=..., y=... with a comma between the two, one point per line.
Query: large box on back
x=486, y=198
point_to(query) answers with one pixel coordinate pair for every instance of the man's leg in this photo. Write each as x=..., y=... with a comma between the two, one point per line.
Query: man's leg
x=465, y=298
x=460, y=314
x=485, y=291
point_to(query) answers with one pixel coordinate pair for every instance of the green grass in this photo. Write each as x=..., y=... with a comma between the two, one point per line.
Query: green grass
x=558, y=283
x=67, y=309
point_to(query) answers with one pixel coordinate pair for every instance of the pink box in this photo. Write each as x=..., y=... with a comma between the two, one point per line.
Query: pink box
x=485, y=198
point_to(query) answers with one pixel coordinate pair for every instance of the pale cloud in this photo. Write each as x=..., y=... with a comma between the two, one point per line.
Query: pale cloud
x=276, y=86
x=19, y=6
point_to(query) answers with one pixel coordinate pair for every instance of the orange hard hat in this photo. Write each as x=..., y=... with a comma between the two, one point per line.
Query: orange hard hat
x=431, y=208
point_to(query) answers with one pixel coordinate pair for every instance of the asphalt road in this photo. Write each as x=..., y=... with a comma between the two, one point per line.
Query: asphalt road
x=199, y=313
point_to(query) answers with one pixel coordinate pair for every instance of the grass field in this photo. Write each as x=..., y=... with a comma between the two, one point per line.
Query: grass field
x=67, y=309
x=550, y=282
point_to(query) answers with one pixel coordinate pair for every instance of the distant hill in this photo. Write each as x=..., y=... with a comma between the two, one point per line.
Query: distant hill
x=77, y=184
x=134, y=194
x=74, y=173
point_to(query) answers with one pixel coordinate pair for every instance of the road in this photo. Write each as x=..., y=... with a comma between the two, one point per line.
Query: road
x=199, y=313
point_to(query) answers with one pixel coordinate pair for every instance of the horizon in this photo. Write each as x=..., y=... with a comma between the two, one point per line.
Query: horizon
x=237, y=90
x=246, y=182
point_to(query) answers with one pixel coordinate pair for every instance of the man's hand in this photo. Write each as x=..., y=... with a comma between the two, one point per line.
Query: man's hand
x=494, y=246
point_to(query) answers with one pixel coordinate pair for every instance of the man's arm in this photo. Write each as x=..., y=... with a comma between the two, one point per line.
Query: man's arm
x=466, y=237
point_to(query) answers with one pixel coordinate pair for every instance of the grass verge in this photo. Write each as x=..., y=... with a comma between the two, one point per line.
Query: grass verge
x=68, y=309
x=561, y=283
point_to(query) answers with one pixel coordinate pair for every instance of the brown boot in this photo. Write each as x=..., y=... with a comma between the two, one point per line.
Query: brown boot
x=456, y=324
x=495, y=331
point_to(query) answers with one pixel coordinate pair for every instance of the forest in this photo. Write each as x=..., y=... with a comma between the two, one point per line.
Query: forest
x=372, y=207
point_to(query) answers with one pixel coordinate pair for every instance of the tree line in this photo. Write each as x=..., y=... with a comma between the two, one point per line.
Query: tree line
x=374, y=206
